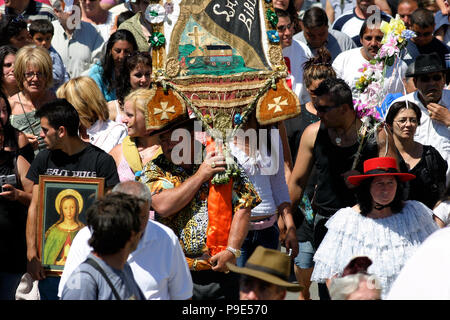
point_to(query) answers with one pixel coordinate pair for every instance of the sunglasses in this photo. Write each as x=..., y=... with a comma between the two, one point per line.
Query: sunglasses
x=283, y=28
x=425, y=34
x=425, y=78
x=324, y=109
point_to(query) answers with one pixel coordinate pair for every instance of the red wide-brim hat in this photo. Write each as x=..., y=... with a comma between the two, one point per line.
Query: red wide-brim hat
x=383, y=166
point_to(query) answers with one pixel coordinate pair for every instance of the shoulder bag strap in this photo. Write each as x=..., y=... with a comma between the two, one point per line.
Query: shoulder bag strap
x=96, y=266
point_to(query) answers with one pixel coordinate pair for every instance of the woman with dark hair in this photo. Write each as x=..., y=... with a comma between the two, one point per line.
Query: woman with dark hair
x=8, y=83
x=380, y=226
x=15, y=197
x=423, y=161
x=139, y=68
x=106, y=73
x=14, y=31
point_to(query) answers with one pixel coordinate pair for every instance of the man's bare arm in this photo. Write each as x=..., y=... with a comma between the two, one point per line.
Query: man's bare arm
x=34, y=267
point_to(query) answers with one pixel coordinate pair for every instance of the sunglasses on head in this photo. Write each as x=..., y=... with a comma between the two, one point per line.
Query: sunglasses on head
x=426, y=78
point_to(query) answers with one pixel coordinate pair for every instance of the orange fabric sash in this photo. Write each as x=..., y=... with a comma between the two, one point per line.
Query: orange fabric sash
x=220, y=212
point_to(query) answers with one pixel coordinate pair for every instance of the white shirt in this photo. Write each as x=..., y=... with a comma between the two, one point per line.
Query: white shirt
x=158, y=264
x=105, y=28
x=431, y=132
x=348, y=62
x=81, y=51
x=266, y=173
x=442, y=211
x=297, y=53
x=106, y=134
x=426, y=275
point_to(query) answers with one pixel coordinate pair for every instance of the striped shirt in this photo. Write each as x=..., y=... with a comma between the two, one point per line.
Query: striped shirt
x=35, y=10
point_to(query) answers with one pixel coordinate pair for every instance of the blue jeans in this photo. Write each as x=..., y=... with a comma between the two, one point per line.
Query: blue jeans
x=304, y=259
x=48, y=288
x=268, y=238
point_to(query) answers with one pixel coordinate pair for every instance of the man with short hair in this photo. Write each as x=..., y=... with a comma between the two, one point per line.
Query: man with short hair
x=116, y=231
x=66, y=155
x=265, y=276
x=351, y=22
x=331, y=144
x=316, y=34
x=28, y=9
x=165, y=278
x=349, y=63
x=422, y=23
x=405, y=9
x=78, y=42
x=434, y=102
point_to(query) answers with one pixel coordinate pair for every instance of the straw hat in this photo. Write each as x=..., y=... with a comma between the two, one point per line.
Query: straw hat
x=269, y=265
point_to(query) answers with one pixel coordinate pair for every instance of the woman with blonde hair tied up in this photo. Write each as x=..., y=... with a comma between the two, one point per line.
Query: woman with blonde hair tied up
x=138, y=147
x=95, y=126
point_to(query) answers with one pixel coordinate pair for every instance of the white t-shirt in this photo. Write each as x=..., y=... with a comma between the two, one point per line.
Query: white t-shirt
x=297, y=54
x=158, y=264
x=348, y=62
x=426, y=275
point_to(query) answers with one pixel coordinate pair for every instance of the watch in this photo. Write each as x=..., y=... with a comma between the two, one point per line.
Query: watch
x=236, y=252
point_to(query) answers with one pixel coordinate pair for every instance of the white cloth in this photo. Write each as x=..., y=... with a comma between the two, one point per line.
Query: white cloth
x=426, y=275
x=442, y=211
x=348, y=62
x=388, y=242
x=431, y=132
x=81, y=51
x=158, y=264
x=297, y=53
x=107, y=134
x=266, y=173
x=105, y=28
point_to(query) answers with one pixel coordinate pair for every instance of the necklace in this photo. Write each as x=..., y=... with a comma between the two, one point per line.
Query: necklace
x=338, y=140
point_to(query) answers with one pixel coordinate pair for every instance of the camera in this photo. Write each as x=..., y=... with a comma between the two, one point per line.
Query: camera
x=9, y=179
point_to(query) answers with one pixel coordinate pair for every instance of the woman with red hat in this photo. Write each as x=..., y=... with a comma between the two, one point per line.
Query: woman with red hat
x=380, y=226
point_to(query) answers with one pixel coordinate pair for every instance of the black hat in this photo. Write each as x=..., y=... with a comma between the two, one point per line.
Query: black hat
x=425, y=63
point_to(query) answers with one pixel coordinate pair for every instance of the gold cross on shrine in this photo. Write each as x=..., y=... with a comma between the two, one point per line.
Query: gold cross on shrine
x=196, y=35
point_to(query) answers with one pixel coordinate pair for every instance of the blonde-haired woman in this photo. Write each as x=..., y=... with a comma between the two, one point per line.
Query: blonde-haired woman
x=34, y=75
x=95, y=126
x=138, y=147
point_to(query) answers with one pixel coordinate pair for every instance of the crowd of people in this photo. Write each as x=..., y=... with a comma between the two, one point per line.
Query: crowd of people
x=350, y=214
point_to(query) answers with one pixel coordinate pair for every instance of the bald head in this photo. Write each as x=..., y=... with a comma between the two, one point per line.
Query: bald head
x=134, y=188
x=141, y=192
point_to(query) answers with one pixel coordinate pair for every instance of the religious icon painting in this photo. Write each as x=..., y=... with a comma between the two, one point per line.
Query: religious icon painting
x=63, y=202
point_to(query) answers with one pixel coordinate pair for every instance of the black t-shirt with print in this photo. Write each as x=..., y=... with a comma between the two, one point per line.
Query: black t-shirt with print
x=91, y=162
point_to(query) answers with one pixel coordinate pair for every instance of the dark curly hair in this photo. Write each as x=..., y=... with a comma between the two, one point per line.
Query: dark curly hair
x=10, y=26
x=112, y=219
x=130, y=62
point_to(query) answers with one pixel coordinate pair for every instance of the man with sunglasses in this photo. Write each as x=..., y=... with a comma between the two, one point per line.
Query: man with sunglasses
x=295, y=53
x=422, y=23
x=428, y=74
x=330, y=145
